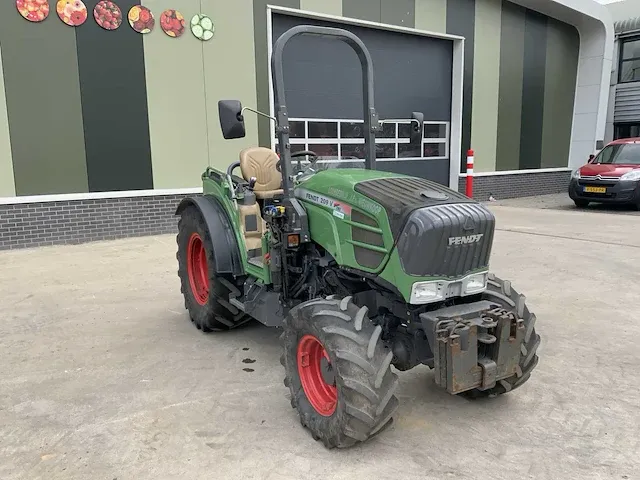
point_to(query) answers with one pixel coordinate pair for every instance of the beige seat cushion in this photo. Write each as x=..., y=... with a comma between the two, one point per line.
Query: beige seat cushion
x=260, y=162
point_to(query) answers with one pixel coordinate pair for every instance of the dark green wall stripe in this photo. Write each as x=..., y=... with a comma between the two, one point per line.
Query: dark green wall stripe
x=114, y=104
x=262, y=61
x=533, y=79
x=43, y=103
x=563, y=45
x=398, y=12
x=510, y=91
x=461, y=21
x=370, y=10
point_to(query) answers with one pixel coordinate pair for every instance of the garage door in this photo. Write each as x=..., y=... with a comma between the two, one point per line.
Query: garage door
x=323, y=84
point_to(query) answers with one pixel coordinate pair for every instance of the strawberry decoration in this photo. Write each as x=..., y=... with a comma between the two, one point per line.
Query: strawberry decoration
x=33, y=10
x=108, y=15
x=72, y=12
x=172, y=23
x=141, y=19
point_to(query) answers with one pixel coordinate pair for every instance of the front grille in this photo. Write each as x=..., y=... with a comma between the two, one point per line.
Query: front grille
x=365, y=257
x=435, y=240
x=591, y=178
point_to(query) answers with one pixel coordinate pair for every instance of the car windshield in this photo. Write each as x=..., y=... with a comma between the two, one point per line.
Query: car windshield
x=624, y=153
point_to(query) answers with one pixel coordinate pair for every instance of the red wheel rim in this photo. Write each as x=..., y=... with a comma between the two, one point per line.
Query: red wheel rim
x=197, y=269
x=322, y=396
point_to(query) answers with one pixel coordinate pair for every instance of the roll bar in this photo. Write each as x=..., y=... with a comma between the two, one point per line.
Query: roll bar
x=371, y=121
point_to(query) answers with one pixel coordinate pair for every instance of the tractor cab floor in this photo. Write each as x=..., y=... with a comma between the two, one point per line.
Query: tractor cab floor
x=103, y=376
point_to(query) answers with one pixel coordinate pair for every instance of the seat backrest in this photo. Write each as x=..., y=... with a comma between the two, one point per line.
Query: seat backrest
x=260, y=162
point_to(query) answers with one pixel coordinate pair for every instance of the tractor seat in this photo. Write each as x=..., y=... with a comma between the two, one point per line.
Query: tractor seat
x=260, y=162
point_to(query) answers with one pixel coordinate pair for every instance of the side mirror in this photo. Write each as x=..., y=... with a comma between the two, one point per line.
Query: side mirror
x=231, y=119
x=591, y=157
x=417, y=127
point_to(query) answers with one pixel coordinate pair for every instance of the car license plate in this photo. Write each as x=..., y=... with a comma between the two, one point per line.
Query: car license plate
x=595, y=189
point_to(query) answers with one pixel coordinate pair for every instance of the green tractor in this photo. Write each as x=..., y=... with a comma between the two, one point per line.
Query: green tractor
x=361, y=269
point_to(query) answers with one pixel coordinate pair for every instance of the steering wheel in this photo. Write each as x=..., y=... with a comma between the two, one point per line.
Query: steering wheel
x=300, y=154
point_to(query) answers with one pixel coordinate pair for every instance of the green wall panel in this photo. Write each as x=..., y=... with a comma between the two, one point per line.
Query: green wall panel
x=486, y=79
x=328, y=7
x=431, y=15
x=563, y=45
x=398, y=12
x=230, y=73
x=42, y=90
x=370, y=10
x=510, y=91
x=7, y=187
x=177, y=112
x=262, y=61
x=533, y=80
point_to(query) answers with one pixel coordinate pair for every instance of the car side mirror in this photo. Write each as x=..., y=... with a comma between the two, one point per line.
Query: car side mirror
x=591, y=157
x=417, y=127
x=231, y=119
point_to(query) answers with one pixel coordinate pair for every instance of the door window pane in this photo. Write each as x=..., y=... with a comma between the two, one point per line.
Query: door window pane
x=435, y=130
x=434, y=149
x=323, y=129
x=385, y=150
x=352, y=150
x=325, y=150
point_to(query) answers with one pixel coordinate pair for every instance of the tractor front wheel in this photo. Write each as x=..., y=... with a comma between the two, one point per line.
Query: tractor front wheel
x=206, y=294
x=338, y=371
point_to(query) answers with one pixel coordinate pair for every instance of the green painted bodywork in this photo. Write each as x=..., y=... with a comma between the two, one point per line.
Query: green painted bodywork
x=330, y=199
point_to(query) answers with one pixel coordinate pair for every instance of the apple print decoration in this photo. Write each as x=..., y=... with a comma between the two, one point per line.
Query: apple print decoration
x=202, y=27
x=172, y=23
x=141, y=19
x=72, y=12
x=107, y=15
x=33, y=10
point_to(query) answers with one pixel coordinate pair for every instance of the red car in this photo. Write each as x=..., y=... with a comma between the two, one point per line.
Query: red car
x=612, y=176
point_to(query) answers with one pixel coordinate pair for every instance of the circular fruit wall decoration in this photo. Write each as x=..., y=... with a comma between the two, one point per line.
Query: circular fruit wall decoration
x=33, y=10
x=108, y=15
x=141, y=19
x=202, y=27
x=172, y=23
x=72, y=12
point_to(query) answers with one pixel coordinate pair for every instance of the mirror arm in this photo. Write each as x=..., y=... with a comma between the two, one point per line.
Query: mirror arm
x=258, y=113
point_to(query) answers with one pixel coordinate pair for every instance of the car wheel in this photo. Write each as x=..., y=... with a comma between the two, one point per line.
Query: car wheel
x=581, y=203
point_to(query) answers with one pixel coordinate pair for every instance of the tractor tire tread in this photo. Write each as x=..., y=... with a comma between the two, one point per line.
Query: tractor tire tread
x=366, y=384
x=218, y=314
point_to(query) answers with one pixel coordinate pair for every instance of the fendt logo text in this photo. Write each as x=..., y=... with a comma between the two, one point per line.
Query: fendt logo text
x=465, y=239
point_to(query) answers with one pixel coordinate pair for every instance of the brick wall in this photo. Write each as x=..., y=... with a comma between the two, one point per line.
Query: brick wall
x=518, y=185
x=78, y=221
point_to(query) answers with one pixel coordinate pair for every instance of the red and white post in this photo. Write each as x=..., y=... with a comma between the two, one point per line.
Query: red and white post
x=469, y=184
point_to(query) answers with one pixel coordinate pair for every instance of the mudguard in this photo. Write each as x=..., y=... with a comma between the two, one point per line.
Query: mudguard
x=225, y=252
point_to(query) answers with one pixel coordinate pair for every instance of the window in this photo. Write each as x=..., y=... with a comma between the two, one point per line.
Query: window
x=629, y=69
x=343, y=140
x=626, y=130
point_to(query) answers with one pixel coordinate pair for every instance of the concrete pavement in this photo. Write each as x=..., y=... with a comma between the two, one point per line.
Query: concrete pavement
x=102, y=376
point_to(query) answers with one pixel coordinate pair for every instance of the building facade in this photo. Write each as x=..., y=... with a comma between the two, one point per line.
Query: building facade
x=623, y=115
x=103, y=129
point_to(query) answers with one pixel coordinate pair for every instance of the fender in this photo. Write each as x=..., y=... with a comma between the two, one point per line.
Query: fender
x=225, y=251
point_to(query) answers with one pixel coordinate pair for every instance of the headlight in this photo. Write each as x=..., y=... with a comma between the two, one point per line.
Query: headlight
x=475, y=283
x=576, y=173
x=632, y=175
x=425, y=292
x=437, y=290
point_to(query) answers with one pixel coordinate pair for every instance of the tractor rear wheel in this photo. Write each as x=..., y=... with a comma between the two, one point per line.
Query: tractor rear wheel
x=500, y=291
x=338, y=371
x=206, y=294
